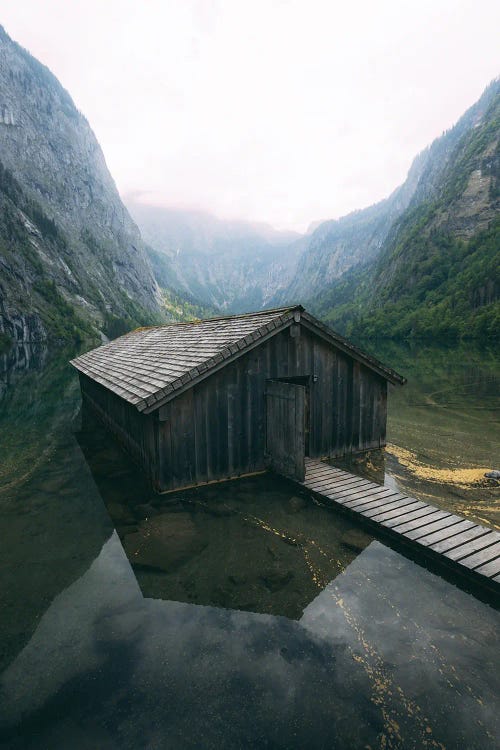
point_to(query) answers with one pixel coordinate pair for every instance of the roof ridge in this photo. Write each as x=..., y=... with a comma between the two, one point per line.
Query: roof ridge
x=180, y=355
x=226, y=352
x=236, y=316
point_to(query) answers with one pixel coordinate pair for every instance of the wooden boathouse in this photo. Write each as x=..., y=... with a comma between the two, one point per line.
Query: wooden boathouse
x=216, y=399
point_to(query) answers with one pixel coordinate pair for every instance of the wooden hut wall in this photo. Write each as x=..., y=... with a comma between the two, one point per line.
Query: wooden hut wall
x=217, y=428
x=135, y=431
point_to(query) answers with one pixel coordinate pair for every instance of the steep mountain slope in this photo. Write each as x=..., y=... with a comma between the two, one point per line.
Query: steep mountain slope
x=226, y=265
x=438, y=272
x=335, y=246
x=67, y=241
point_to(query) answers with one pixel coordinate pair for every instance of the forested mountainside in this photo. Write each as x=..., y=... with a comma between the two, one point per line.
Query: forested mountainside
x=231, y=266
x=438, y=271
x=424, y=262
x=72, y=260
x=335, y=246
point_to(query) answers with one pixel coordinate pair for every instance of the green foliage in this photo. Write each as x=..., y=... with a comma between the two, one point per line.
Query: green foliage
x=116, y=325
x=135, y=316
x=178, y=305
x=59, y=317
x=448, y=289
x=184, y=308
x=46, y=226
x=430, y=280
x=176, y=308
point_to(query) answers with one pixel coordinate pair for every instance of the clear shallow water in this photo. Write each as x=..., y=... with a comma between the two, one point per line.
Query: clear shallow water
x=443, y=429
x=242, y=615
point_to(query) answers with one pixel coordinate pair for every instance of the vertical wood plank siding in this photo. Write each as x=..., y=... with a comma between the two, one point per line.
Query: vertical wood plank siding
x=136, y=432
x=217, y=428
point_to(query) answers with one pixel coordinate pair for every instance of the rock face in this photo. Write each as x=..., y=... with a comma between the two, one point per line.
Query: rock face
x=425, y=261
x=336, y=246
x=229, y=266
x=65, y=221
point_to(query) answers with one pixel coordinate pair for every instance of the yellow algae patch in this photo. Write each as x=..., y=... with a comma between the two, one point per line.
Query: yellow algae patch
x=463, y=478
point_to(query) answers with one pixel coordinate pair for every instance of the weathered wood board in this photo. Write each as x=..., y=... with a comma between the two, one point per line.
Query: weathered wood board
x=465, y=546
x=285, y=428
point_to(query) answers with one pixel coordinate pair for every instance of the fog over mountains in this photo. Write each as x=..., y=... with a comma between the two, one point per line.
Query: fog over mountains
x=73, y=263
x=230, y=266
x=344, y=270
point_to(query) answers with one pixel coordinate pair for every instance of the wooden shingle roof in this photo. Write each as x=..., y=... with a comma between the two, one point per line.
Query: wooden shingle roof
x=146, y=367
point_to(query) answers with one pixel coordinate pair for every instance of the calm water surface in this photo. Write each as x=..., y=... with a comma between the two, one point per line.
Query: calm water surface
x=243, y=615
x=443, y=429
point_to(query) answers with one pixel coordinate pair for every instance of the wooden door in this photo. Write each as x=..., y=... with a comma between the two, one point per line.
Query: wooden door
x=285, y=428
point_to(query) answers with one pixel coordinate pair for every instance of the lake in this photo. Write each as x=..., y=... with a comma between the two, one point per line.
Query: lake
x=242, y=615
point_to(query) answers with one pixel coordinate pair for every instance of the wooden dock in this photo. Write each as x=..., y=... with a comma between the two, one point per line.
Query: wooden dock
x=466, y=547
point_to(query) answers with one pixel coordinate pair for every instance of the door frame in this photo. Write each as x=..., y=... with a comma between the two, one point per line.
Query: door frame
x=290, y=464
x=304, y=380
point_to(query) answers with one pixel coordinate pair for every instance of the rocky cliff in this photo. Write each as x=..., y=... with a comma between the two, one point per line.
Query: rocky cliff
x=67, y=243
x=232, y=266
x=336, y=246
x=438, y=270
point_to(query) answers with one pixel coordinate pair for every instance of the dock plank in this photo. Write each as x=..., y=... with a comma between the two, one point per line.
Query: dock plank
x=324, y=471
x=404, y=528
x=373, y=501
x=398, y=507
x=380, y=492
x=402, y=511
x=446, y=533
x=470, y=547
x=456, y=541
x=354, y=487
x=444, y=523
x=467, y=549
x=382, y=502
x=490, y=569
x=366, y=499
x=325, y=487
x=482, y=557
x=351, y=495
x=343, y=483
x=393, y=522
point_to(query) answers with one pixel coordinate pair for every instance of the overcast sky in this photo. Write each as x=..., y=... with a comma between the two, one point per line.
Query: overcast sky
x=278, y=111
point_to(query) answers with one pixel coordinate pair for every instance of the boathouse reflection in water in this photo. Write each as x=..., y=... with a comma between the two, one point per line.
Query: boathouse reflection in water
x=258, y=544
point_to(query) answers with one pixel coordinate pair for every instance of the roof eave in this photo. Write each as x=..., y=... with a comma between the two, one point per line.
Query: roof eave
x=341, y=343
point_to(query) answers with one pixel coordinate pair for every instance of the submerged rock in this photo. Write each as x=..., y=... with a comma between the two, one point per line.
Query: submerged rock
x=296, y=504
x=164, y=542
x=275, y=579
x=356, y=540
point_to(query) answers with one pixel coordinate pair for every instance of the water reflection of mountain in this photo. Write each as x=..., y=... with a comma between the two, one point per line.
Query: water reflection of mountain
x=18, y=360
x=22, y=357
x=383, y=655
x=52, y=520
